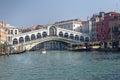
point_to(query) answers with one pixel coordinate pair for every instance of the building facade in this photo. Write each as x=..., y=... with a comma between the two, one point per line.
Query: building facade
x=114, y=35
x=108, y=30
x=2, y=32
x=94, y=20
x=103, y=28
x=74, y=25
x=86, y=28
x=11, y=31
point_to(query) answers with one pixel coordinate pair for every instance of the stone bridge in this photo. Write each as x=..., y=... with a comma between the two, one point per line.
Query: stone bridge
x=32, y=38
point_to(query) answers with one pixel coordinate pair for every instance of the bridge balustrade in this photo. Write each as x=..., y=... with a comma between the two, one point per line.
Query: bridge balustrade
x=43, y=38
x=39, y=37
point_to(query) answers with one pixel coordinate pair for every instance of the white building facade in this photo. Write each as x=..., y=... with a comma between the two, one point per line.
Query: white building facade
x=11, y=31
x=74, y=25
x=86, y=28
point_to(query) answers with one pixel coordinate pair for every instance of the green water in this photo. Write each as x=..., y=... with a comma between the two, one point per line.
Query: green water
x=61, y=65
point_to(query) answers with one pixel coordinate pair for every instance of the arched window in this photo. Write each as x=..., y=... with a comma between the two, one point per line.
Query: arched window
x=44, y=34
x=71, y=36
x=76, y=37
x=66, y=35
x=33, y=37
x=86, y=39
x=52, y=31
x=38, y=35
x=21, y=40
x=81, y=38
x=27, y=38
x=61, y=34
x=15, y=41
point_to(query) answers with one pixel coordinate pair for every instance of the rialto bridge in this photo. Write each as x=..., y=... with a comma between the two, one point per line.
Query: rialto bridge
x=50, y=33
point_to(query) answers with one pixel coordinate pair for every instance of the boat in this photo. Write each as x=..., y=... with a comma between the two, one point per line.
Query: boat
x=43, y=51
x=79, y=48
x=2, y=53
x=108, y=49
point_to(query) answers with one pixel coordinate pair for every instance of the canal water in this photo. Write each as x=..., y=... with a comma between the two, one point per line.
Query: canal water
x=61, y=65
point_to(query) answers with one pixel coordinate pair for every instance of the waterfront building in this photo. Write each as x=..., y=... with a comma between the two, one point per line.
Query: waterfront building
x=114, y=35
x=94, y=20
x=2, y=32
x=2, y=37
x=11, y=31
x=103, y=28
x=74, y=25
x=107, y=29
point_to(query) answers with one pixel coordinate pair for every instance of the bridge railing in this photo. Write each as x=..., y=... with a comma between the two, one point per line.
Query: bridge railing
x=43, y=39
x=53, y=38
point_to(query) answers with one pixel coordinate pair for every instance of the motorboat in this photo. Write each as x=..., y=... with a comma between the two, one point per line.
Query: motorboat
x=43, y=51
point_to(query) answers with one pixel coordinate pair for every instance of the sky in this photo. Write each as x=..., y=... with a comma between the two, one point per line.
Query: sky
x=26, y=13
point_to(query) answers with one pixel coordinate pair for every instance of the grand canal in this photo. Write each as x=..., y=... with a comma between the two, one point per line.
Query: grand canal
x=61, y=65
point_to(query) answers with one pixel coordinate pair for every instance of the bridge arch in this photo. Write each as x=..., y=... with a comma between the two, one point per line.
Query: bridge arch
x=50, y=45
x=66, y=35
x=76, y=37
x=44, y=34
x=27, y=38
x=33, y=37
x=53, y=38
x=15, y=41
x=86, y=39
x=61, y=34
x=21, y=40
x=81, y=38
x=38, y=35
x=71, y=36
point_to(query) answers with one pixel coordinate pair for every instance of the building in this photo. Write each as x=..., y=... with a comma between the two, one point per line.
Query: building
x=11, y=31
x=74, y=25
x=86, y=28
x=114, y=35
x=28, y=29
x=2, y=32
x=103, y=28
x=108, y=29
x=94, y=20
